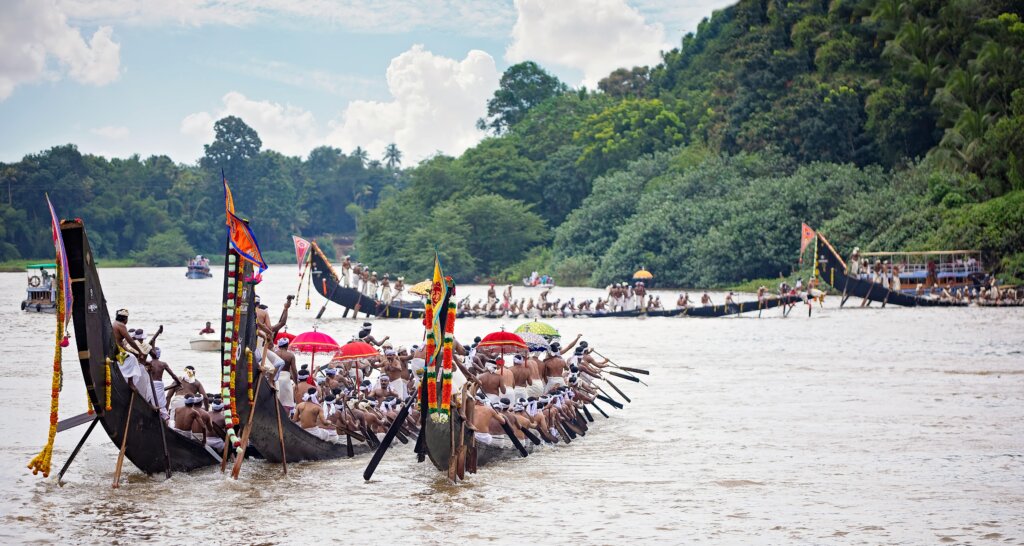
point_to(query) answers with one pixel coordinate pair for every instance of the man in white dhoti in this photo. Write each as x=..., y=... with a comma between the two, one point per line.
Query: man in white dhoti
x=346, y=273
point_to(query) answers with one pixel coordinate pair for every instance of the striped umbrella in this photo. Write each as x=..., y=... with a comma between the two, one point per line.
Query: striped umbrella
x=539, y=328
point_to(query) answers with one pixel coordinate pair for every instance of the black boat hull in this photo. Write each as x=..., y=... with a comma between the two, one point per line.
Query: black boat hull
x=325, y=282
x=832, y=270
x=95, y=340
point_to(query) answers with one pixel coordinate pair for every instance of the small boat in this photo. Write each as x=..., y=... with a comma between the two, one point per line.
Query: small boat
x=95, y=339
x=198, y=268
x=325, y=282
x=928, y=272
x=206, y=343
x=41, y=291
x=832, y=269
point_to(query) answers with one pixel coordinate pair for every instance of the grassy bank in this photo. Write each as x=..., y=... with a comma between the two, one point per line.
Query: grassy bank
x=18, y=266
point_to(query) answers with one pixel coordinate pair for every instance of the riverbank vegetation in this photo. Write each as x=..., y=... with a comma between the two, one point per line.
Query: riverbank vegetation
x=886, y=124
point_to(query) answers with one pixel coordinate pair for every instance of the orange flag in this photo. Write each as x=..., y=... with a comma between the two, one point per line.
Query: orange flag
x=243, y=240
x=806, y=236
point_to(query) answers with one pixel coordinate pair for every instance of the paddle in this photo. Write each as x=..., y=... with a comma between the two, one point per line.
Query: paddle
x=598, y=408
x=512, y=436
x=245, y=433
x=280, y=433
x=633, y=370
x=324, y=308
x=614, y=404
x=124, y=443
x=587, y=413
x=74, y=453
x=72, y=422
x=163, y=427
x=388, y=438
x=612, y=385
x=623, y=376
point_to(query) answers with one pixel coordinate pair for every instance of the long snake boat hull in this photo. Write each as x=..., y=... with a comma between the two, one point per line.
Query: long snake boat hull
x=832, y=269
x=325, y=282
x=95, y=341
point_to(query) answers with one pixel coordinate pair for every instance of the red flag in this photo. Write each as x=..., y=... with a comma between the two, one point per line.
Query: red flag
x=301, y=247
x=806, y=236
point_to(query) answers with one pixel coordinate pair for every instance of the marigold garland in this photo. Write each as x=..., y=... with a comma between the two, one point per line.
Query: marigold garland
x=41, y=462
x=248, y=357
x=106, y=387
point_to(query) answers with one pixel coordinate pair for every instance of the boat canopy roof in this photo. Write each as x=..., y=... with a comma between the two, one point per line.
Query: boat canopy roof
x=43, y=266
x=923, y=253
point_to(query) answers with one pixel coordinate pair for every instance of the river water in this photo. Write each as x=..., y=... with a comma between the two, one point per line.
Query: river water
x=854, y=426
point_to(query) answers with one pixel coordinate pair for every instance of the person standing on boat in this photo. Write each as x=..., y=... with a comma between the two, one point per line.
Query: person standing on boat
x=288, y=357
x=399, y=288
x=896, y=285
x=492, y=296
x=507, y=296
x=346, y=272
x=156, y=369
x=385, y=290
x=639, y=293
x=705, y=300
x=853, y=266
x=132, y=352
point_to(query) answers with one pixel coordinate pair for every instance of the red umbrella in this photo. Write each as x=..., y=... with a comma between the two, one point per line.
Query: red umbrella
x=354, y=350
x=284, y=335
x=313, y=342
x=502, y=342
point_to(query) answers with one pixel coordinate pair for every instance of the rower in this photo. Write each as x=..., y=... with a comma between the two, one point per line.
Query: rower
x=553, y=369
x=187, y=386
x=705, y=300
x=364, y=335
x=385, y=290
x=309, y=414
x=346, y=272
x=521, y=377
x=156, y=369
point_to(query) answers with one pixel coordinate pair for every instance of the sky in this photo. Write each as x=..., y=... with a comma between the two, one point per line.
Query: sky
x=123, y=77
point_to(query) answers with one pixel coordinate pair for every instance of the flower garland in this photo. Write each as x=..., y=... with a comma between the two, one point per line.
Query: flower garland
x=41, y=462
x=106, y=387
x=230, y=346
x=248, y=357
x=446, y=378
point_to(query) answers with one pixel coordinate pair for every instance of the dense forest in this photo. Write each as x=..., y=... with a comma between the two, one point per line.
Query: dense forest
x=892, y=125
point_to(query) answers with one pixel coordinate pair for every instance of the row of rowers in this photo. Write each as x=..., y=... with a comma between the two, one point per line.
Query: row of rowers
x=363, y=396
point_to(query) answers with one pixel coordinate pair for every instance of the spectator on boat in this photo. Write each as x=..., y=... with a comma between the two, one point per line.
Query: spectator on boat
x=932, y=278
x=897, y=285
x=399, y=288
x=208, y=329
x=385, y=290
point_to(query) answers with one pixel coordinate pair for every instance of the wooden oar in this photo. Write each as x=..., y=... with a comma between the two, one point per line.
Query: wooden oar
x=163, y=426
x=72, y=422
x=623, y=376
x=634, y=370
x=512, y=436
x=74, y=452
x=244, y=443
x=326, y=301
x=388, y=438
x=124, y=443
x=280, y=431
x=612, y=385
x=587, y=413
x=614, y=404
x=598, y=408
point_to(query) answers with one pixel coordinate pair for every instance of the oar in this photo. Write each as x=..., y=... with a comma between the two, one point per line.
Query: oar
x=624, y=376
x=512, y=436
x=163, y=427
x=72, y=422
x=605, y=398
x=245, y=433
x=124, y=443
x=324, y=308
x=388, y=438
x=587, y=413
x=617, y=365
x=598, y=408
x=280, y=431
x=612, y=385
x=74, y=453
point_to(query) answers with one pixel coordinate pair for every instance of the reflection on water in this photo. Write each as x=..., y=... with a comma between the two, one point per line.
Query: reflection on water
x=876, y=426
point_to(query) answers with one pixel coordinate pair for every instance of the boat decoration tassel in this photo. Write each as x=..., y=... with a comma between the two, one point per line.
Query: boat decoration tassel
x=229, y=344
x=41, y=462
x=106, y=386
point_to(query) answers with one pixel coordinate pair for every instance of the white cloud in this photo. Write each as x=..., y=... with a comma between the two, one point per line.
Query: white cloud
x=111, y=131
x=434, y=107
x=436, y=102
x=34, y=32
x=593, y=36
x=282, y=127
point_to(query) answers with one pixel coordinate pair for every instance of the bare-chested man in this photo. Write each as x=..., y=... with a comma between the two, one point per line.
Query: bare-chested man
x=285, y=354
x=364, y=335
x=156, y=369
x=553, y=369
x=187, y=385
x=496, y=381
x=309, y=414
x=521, y=376
x=486, y=423
x=705, y=300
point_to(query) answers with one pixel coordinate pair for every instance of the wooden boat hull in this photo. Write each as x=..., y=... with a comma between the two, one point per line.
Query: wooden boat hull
x=439, y=445
x=832, y=269
x=95, y=341
x=198, y=274
x=205, y=344
x=325, y=282
x=713, y=311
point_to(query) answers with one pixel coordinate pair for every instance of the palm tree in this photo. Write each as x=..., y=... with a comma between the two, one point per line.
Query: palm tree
x=392, y=156
x=360, y=154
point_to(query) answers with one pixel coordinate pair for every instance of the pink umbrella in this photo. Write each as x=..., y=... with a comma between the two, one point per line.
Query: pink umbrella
x=313, y=342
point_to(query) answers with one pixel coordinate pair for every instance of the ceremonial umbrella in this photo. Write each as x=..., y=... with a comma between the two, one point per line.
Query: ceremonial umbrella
x=501, y=342
x=284, y=335
x=421, y=288
x=642, y=275
x=535, y=342
x=354, y=350
x=540, y=328
x=313, y=342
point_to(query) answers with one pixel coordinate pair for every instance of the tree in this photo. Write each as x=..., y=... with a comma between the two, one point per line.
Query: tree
x=165, y=249
x=626, y=83
x=234, y=143
x=392, y=156
x=522, y=87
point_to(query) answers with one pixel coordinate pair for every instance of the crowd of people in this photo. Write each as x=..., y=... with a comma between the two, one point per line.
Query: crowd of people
x=360, y=277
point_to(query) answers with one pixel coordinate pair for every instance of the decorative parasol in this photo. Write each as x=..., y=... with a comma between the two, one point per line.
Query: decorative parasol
x=535, y=342
x=501, y=342
x=540, y=328
x=354, y=350
x=313, y=342
x=285, y=335
x=420, y=288
x=642, y=275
